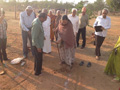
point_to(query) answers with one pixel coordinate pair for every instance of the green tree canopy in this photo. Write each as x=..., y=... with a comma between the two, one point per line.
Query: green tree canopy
x=114, y=4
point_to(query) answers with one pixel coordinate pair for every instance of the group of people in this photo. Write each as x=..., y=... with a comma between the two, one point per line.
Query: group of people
x=65, y=30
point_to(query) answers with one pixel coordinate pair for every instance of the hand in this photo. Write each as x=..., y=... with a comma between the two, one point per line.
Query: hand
x=39, y=49
x=57, y=42
x=44, y=38
x=29, y=32
x=102, y=28
x=75, y=34
x=54, y=30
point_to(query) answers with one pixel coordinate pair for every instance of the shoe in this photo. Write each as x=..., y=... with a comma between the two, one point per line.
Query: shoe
x=37, y=74
x=6, y=59
x=82, y=47
x=81, y=63
x=97, y=58
x=62, y=63
x=89, y=64
x=2, y=72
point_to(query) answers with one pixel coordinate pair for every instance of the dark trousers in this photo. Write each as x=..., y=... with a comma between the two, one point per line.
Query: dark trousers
x=3, y=54
x=98, y=42
x=38, y=61
x=83, y=32
x=25, y=35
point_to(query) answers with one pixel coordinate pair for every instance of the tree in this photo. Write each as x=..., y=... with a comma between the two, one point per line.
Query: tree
x=99, y=5
x=114, y=4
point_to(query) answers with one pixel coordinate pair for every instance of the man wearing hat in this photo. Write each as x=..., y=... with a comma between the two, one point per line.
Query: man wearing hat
x=83, y=22
x=26, y=19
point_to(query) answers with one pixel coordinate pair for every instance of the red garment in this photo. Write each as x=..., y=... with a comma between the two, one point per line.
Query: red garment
x=67, y=34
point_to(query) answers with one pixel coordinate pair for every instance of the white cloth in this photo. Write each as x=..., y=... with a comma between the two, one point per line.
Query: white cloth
x=26, y=21
x=47, y=43
x=75, y=22
x=104, y=22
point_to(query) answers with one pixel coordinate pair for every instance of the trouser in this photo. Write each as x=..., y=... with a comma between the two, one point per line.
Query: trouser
x=26, y=36
x=38, y=61
x=3, y=54
x=98, y=42
x=83, y=32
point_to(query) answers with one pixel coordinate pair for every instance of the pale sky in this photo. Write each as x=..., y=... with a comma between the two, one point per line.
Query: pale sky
x=76, y=1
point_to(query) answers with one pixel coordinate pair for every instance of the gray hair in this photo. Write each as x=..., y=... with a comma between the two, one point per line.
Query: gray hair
x=74, y=9
x=29, y=8
x=50, y=11
x=57, y=11
x=105, y=9
x=44, y=10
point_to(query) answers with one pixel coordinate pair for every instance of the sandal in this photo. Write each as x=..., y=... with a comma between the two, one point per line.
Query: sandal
x=81, y=63
x=89, y=64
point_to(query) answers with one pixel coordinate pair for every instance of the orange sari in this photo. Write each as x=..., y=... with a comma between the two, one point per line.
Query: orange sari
x=52, y=26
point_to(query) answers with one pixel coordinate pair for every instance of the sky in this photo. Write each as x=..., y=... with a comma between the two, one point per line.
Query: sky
x=64, y=1
x=76, y=1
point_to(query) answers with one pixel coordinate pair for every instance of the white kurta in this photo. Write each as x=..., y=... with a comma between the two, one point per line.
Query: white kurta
x=75, y=21
x=47, y=42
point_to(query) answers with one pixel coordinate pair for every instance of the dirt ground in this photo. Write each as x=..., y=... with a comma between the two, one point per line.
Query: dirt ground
x=55, y=76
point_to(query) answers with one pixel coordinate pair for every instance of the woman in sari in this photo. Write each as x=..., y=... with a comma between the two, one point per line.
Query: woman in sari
x=113, y=65
x=66, y=41
x=52, y=26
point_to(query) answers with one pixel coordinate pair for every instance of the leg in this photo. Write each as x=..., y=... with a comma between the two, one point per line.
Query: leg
x=78, y=37
x=24, y=38
x=98, y=41
x=38, y=61
x=84, y=37
x=4, y=49
x=30, y=39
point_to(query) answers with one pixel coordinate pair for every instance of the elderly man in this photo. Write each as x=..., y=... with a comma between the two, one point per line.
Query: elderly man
x=75, y=20
x=38, y=41
x=105, y=22
x=83, y=22
x=46, y=28
x=26, y=19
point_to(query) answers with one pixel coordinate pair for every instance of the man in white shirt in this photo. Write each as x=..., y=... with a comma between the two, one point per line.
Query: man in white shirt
x=26, y=19
x=46, y=27
x=105, y=22
x=75, y=20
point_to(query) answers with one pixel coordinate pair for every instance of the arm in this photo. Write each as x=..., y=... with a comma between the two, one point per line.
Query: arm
x=87, y=21
x=22, y=23
x=108, y=25
x=35, y=35
x=77, y=25
x=95, y=23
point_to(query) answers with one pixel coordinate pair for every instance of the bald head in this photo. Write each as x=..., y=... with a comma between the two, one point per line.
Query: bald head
x=58, y=12
x=45, y=11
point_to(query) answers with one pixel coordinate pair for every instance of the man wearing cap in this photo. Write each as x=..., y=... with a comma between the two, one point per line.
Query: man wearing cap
x=75, y=20
x=26, y=19
x=83, y=22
